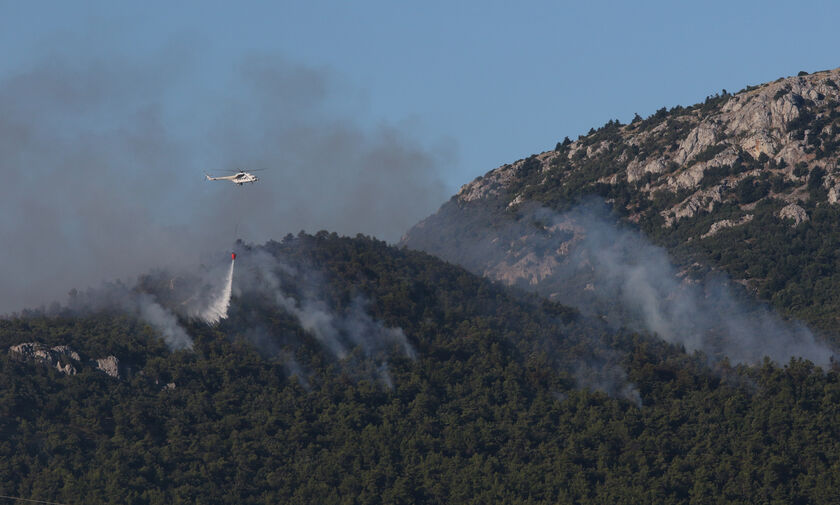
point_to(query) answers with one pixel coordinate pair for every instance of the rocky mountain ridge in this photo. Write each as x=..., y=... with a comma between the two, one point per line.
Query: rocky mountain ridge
x=697, y=180
x=674, y=151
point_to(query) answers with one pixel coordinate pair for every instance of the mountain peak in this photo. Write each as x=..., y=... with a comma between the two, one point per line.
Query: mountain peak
x=731, y=182
x=781, y=125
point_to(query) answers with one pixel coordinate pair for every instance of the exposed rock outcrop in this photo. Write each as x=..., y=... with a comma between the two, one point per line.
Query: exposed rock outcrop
x=833, y=194
x=636, y=170
x=109, y=365
x=702, y=200
x=697, y=141
x=727, y=223
x=794, y=212
x=61, y=357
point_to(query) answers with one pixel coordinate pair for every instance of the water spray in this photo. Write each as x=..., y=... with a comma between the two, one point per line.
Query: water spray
x=218, y=310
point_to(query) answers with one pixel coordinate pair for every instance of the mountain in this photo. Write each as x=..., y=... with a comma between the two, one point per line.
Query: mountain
x=745, y=184
x=639, y=347
x=502, y=398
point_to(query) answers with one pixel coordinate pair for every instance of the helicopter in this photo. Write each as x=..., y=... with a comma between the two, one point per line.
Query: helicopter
x=239, y=178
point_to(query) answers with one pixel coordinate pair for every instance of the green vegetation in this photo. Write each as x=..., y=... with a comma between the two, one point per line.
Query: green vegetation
x=796, y=268
x=486, y=414
x=491, y=410
x=750, y=190
x=806, y=273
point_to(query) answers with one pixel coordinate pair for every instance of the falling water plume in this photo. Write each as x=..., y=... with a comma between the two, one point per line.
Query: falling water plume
x=218, y=310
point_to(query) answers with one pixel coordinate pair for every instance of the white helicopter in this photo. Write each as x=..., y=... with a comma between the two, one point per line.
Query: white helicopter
x=239, y=178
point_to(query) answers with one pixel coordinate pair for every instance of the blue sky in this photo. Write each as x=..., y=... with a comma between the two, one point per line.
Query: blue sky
x=495, y=81
x=367, y=115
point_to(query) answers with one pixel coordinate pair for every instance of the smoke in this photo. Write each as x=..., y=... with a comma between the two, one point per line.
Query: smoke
x=345, y=332
x=294, y=369
x=361, y=344
x=103, y=158
x=608, y=377
x=118, y=297
x=702, y=316
x=585, y=259
x=158, y=298
x=315, y=318
x=164, y=321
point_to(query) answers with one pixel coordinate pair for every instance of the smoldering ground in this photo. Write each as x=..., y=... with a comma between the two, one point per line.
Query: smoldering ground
x=584, y=258
x=102, y=161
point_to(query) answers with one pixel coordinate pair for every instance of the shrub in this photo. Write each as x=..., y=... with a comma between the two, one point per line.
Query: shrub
x=750, y=190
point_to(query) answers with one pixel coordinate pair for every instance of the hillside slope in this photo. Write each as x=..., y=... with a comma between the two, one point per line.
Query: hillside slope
x=495, y=405
x=746, y=183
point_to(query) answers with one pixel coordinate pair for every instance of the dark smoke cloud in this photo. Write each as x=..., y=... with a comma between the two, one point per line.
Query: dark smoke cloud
x=102, y=164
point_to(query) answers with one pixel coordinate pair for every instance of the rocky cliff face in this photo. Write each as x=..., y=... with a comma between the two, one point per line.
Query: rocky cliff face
x=685, y=176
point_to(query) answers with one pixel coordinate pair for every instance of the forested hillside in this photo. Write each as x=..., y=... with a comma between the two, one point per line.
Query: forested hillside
x=746, y=184
x=494, y=396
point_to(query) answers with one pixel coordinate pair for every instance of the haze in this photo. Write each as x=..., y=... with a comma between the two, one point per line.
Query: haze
x=104, y=180
x=366, y=115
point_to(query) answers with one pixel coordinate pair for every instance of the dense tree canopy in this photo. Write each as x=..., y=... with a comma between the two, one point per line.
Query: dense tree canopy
x=489, y=411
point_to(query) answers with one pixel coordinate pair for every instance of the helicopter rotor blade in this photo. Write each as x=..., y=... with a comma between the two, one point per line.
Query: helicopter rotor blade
x=248, y=171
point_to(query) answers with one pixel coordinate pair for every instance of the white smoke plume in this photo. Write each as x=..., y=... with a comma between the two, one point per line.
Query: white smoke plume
x=117, y=296
x=315, y=318
x=341, y=333
x=162, y=320
x=585, y=259
x=702, y=316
